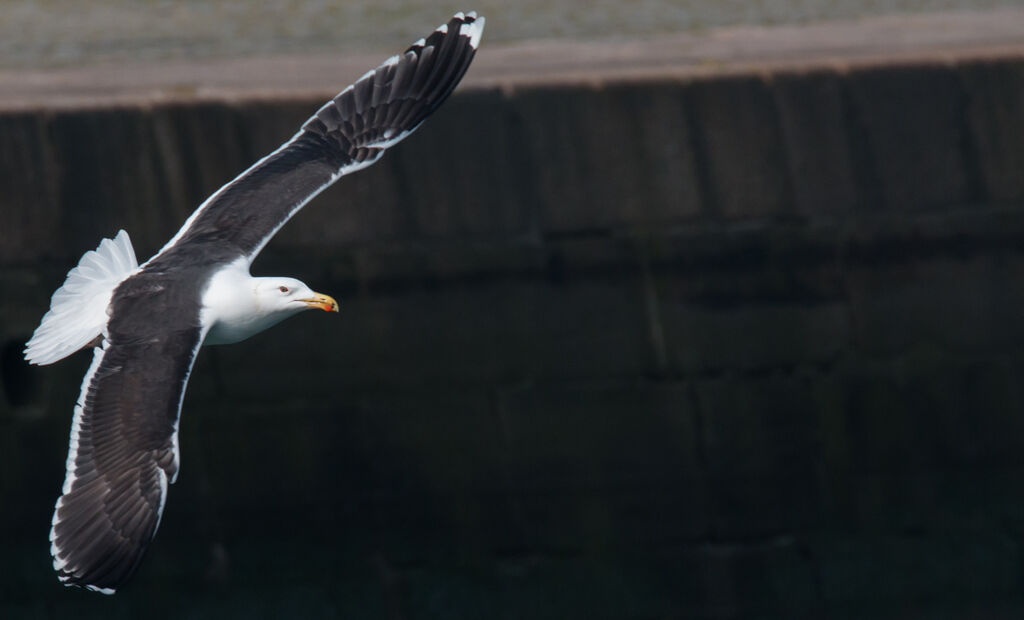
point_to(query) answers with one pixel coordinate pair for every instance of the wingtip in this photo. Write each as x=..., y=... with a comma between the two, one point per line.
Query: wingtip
x=107, y=591
x=471, y=26
x=478, y=31
x=69, y=582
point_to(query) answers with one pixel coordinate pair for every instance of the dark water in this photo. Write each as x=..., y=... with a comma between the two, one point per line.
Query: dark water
x=58, y=32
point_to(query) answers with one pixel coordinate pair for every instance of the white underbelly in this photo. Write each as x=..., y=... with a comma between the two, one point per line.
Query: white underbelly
x=231, y=331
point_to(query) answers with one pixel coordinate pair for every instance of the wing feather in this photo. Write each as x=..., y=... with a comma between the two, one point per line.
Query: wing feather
x=121, y=457
x=348, y=133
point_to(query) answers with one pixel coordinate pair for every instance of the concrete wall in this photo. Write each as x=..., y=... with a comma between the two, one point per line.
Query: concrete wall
x=737, y=346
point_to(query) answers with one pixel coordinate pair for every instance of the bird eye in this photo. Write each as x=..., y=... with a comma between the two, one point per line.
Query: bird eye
x=283, y=289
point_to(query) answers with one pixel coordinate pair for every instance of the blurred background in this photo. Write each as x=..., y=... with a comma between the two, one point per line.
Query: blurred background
x=54, y=32
x=701, y=309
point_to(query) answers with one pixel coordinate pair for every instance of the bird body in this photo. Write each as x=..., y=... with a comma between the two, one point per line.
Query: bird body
x=151, y=320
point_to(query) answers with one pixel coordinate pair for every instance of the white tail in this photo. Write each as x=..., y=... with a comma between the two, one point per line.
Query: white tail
x=78, y=310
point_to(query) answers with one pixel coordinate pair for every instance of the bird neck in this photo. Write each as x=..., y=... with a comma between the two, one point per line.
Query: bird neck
x=231, y=307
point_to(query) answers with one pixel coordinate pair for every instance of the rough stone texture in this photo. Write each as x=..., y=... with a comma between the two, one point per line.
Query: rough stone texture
x=996, y=116
x=741, y=141
x=745, y=347
x=898, y=111
x=815, y=126
x=609, y=157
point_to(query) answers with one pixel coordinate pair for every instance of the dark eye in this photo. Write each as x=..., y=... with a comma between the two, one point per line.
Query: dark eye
x=283, y=289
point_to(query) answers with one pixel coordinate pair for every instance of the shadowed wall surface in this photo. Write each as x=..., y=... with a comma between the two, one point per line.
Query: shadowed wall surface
x=734, y=346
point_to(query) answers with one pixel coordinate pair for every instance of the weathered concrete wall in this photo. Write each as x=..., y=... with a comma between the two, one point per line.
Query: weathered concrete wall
x=742, y=346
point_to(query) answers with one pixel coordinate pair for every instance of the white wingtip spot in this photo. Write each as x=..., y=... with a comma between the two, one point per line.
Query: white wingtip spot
x=473, y=31
x=471, y=15
x=390, y=139
x=443, y=29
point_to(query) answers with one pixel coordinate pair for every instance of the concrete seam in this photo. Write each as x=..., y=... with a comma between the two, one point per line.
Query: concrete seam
x=701, y=160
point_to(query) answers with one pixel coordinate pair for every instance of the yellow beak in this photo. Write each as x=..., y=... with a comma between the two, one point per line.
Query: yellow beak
x=321, y=301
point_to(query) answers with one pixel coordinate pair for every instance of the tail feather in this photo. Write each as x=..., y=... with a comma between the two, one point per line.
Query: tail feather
x=78, y=310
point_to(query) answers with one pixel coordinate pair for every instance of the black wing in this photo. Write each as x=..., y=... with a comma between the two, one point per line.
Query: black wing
x=124, y=447
x=350, y=132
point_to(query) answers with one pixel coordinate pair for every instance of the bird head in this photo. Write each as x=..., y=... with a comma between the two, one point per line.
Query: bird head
x=288, y=295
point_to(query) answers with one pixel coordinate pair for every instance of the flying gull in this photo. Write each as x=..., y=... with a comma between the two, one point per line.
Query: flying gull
x=150, y=320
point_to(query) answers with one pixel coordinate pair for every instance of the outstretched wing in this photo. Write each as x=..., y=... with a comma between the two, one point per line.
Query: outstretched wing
x=123, y=453
x=348, y=133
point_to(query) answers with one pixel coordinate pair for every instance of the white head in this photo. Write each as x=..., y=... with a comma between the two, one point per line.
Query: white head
x=289, y=296
x=237, y=305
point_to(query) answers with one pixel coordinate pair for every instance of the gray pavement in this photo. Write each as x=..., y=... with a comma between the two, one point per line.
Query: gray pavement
x=734, y=48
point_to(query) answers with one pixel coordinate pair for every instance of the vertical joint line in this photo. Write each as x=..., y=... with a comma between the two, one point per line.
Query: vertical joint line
x=655, y=326
x=701, y=158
